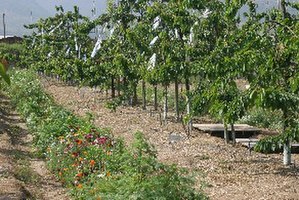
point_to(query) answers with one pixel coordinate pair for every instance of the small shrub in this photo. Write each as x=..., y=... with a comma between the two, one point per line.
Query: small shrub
x=263, y=118
x=113, y=104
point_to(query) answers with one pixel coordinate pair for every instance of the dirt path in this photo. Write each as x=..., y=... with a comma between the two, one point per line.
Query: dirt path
x=22, y=174
x=228, y=172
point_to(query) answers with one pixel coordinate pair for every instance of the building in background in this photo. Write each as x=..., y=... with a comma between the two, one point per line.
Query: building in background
x=10, y=39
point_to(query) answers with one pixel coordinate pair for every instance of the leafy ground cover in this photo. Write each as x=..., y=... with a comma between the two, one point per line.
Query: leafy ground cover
x=89, y=160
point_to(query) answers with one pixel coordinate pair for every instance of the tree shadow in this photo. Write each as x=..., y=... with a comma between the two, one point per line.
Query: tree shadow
x=17, y=154
x=289, y=171
x=17, y=135
x=281, y=170
x=11, y=118
x=11, y=123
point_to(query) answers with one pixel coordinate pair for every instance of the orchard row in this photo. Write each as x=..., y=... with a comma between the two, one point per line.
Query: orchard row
x=205, y=45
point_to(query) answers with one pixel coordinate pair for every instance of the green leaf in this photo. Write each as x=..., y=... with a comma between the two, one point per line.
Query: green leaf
x=4, y=75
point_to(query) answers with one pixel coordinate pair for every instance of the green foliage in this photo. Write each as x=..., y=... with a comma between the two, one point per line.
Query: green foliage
x=201, y=39
x=114, y=103
x=60, y=44
x=275, y=143
x=46, y=120
x=90, y=160
x=275, y=67
x=269, y=145
x=13, y=53
x=3, y=74
x=264, y=118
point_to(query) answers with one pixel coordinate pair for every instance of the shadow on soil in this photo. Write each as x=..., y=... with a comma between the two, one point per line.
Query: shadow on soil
x=292, y=170
x=11, y=124
x=263, y=164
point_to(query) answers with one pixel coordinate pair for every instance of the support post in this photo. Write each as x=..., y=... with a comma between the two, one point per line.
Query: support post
x=4, y=25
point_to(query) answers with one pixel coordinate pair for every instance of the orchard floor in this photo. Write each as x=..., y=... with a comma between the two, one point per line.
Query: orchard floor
x=226, y=172
x=22, y=174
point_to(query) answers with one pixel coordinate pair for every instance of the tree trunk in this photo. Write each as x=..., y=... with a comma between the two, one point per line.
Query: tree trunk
x=124, y=88
x=226, y=135
x=124, y=83
x=177, y=112
x=143, y=95
x=135, y=97
x=165, y=104
x=112, y=88
x=181, y=85
x=188, y=107
x=155, y=98
x=287, y=144
x=233, y=134
x=287, y=153
x=118, y=87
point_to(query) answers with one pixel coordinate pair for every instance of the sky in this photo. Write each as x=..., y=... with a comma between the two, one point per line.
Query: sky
x=85, y=5
x=18, y=12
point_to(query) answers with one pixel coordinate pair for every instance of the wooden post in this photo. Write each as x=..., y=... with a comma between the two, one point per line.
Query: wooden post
x=4, y=25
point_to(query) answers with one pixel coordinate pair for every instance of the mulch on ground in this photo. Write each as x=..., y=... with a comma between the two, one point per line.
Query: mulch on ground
x=227, y=172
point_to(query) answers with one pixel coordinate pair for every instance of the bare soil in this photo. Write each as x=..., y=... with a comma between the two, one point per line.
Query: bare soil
x=226, y=172
x=22, y=174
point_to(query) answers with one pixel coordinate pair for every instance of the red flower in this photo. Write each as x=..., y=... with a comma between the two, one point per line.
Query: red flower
x=101, y=140
x=80, y=175
x=78, y=141
x=89, y=136
x=92, y=163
